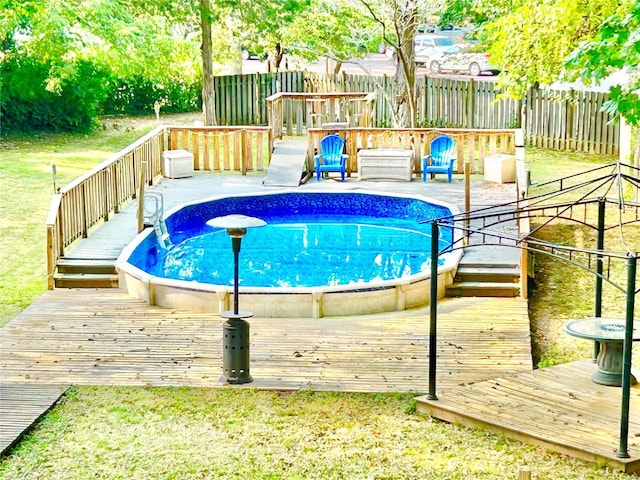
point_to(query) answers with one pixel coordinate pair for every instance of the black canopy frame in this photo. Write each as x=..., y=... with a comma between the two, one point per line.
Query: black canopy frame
x=572, y=198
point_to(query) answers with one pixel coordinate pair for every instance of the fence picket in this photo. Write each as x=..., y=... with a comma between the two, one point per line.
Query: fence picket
x=571, y=120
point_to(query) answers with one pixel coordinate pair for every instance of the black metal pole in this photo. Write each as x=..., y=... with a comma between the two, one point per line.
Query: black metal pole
x=626, y=358
x=598, y=293
x=433, y=308
x=235, y=242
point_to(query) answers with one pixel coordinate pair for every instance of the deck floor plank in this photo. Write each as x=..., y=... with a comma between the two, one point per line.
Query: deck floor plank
x=557, y=407
x=21, y=405
x=105, y=337
x=484, y=371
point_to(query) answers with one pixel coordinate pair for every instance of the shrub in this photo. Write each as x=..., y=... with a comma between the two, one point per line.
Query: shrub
x=137, y=95
x=26, y=105
x=79, y=94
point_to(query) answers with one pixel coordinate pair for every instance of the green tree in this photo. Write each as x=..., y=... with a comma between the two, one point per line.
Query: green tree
x=333, y=30
x=166, y=41
x=125, y=39
x=398, y=20
x=125, y=36
x=615, y=47
x=531, y=42
x=265, y=24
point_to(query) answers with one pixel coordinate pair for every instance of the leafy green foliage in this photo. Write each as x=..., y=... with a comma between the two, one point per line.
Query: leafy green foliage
x=69, y=57
x=27, y=105
x=616, y=46
x=73, y=104
x=137, y=95
x=335, y=30
x=546, y=33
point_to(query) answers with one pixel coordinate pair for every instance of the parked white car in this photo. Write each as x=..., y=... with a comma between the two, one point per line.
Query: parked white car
x=457, y=58
x=428, y=45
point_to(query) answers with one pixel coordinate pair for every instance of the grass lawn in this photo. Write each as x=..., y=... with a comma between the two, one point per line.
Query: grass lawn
x=181, y=433
x=26, y=187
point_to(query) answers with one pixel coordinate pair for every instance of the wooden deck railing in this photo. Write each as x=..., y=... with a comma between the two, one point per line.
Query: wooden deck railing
x=101, y=192
x=295, y=113
x=95, y=196
x=239, y=149
x=472, y=145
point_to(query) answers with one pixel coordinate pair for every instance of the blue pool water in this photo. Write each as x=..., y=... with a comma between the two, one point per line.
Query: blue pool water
x=311, y=239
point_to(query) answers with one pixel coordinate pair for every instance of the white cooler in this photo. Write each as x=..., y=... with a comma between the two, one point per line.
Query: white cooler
x=177, y=164
x=500, y=168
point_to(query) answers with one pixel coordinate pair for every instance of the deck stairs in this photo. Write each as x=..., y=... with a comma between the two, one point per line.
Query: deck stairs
x=95, y=267
x=487, y=272
x=86, y=273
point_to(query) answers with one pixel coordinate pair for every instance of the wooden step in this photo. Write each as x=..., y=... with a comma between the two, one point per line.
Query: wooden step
x=494, y=263
x=84, y=280
x=486, y=274
x=82, y=265
x=483, y=289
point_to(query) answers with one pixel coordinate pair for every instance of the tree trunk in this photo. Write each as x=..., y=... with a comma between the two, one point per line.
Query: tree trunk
x=405, y=26
x=208, y=92
x=278, y=57
x=636, y=163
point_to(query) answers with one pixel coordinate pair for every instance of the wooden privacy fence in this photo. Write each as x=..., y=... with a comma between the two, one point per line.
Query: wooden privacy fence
x=570, y=120
x=471, y=145
x=472, y=103
x=95, y=196
x=242, y=99
x=564, y=120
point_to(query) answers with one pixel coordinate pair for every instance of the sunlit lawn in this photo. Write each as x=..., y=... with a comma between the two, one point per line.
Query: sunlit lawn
x=165, y=433
x=26, y=188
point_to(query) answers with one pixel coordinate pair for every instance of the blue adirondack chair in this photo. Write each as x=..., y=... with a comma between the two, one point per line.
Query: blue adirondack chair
x=441, y=158
x=331, y=158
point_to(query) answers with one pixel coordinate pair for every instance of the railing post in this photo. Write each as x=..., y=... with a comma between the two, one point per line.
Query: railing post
x=597, y=311
x=85, y=213
x=524, y=473
x=626, y=358
x=245, y=152
x=433, y=309
x=107, y=207
x=467, y=196
x=141, y=185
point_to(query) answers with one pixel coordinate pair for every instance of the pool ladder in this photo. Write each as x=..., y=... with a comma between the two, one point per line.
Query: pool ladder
x=153, y=211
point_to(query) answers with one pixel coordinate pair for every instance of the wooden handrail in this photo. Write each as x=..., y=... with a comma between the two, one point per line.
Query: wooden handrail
x=290, y=111
x=472, y=145
x=113, y=158
x=91, y=198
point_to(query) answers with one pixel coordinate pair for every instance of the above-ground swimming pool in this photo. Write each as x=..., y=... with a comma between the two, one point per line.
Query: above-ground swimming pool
x=320, y=254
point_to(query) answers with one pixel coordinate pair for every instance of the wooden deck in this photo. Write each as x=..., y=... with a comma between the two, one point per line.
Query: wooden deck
x=91, y=337
x=21, y=405
x=105, y=337
x=485, y=376
x=558, y=407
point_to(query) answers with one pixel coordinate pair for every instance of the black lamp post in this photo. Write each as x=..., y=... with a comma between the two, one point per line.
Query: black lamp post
x=235, y=331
